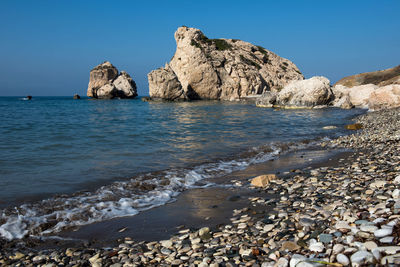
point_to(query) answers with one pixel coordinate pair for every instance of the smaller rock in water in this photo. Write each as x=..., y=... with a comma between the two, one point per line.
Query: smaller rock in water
x=76, y=96
x=331, y=127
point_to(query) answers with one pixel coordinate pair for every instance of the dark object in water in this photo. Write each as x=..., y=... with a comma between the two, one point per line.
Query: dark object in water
x=76, y=96
x=29, y=97
x=146, y=99
x=355, y=126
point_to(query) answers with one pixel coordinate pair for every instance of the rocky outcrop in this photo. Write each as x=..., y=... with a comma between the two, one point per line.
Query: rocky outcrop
x=385, y=97
x=105, y=82
x=316, y=92
x=224, y=69
x=357, y=95
x=371, y=90
x=379, y=78
x=368, y=96
x=312, y=92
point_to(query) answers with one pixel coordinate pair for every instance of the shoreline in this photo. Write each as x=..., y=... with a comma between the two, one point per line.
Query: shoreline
x=187, y=205
x=339, y=214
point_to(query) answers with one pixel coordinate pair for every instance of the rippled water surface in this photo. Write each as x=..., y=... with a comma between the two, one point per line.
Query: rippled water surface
x=59, y=145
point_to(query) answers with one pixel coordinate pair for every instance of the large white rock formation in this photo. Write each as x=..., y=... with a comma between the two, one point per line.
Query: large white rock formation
x=105, y=82
x=224, y=69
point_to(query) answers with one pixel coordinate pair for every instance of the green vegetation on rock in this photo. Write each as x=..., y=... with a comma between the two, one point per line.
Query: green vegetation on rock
x=194, y=43
x=220, y=44
x=249, y=62
x=262, y=50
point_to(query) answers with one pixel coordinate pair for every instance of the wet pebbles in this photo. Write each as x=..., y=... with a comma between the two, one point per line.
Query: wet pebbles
x=348, y=214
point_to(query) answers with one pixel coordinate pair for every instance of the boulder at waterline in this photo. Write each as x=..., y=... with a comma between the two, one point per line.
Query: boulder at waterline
x=357, y=95
x=312, y=92
x=223, y=69
x=165, y=84
x=106, y=82
x=76, y=96
x=306, y=93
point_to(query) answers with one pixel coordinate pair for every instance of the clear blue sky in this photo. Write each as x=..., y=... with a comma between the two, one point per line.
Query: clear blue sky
x=49, y=47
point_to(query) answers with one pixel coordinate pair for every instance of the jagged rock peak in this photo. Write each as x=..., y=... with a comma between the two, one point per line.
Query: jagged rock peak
x=106, y=82
x=224, y=69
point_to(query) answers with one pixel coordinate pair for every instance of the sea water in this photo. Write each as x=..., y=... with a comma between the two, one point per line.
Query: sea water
x=66, y=162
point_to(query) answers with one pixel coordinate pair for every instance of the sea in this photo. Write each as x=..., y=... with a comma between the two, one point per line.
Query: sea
x=67, y=163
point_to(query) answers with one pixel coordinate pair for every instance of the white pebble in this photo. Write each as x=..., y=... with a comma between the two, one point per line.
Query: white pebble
x=376, y=253
x=338, y=248
x=390, y=250
x=268, y=227
x=316, y=246
x=396, y=193
x=349, y=239
x=386, y=240
x=379, y=220
x=342, y=259
x=282, y=262
x=391, y=224
x=342, y=225
x=368, y=228
x=296, y=259
x=361, y=257
x=383, y=232
x=370, y=245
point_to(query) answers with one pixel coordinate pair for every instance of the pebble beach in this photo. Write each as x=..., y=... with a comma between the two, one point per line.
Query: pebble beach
x=342, y=215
